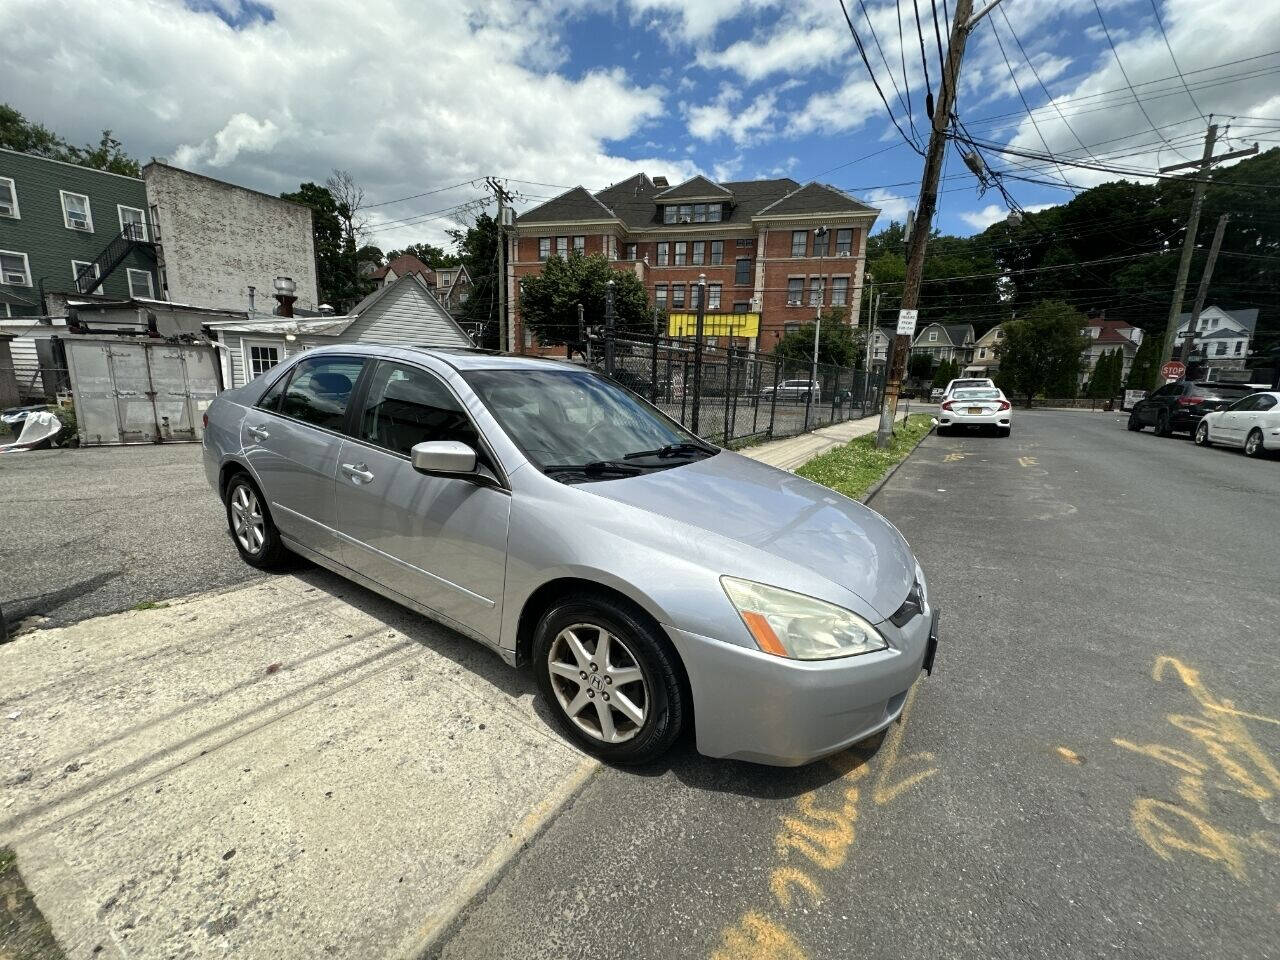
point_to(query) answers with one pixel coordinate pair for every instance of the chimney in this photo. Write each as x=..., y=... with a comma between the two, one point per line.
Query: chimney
x=661, y=183
x=285, y=295
x=252, y=291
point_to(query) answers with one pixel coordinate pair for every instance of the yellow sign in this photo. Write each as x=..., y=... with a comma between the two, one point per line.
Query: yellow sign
x=714, y=325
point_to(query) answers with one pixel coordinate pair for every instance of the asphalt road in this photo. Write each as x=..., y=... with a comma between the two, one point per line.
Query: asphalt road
x=94, y=531
x=1092, y=770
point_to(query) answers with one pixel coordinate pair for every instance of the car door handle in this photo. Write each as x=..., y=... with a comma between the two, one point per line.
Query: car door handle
x=257, y=433
x=358, y=472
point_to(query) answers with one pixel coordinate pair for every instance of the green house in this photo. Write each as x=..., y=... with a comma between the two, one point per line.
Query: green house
x=66, y=229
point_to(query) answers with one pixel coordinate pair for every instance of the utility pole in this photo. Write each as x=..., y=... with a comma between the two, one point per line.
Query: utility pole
x=1203, y=291
x=506, y=329
x=697, y=352
x=961, y=26
x=1203, y=165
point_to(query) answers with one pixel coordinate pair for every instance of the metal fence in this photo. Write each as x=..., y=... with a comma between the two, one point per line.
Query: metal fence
x=32, y=383
x=731, y=395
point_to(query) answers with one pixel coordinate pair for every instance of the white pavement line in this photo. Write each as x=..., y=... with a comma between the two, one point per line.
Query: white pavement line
x=441, y=920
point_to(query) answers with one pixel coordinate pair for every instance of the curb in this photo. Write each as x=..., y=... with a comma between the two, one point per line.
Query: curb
x=876, y=487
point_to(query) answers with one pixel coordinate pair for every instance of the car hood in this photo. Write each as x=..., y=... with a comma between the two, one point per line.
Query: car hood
x=783, y=515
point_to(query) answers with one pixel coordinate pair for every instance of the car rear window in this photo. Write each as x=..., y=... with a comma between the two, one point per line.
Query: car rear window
x=1218, y=391
x=976, y=393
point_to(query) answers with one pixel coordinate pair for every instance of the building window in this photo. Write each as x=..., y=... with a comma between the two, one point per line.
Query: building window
x=562, y=247
x=933, y=336
x=76, y=213
x=717, y=251
x=713, y=295
x=686, y=213
x=799, y=242
x=817, y=287
x=982, y=353
x=1239, y=347
x=663, y=247
x=742, y=271
x=699, y=252
x=713, y=213
x=262, y=357
x=999, y=334
x=630, y=251
x=745, y=242
x=820, y=241
x=14, y=269
x=681, y=248
x=133, y=222
x=699, y=213
x=660, y=296
x=8, y=198
x=844, y=243
x=741, y=306
x=94, y=274
x=1220, y=348
x=544, y=248
x=695, y=295
x=579, y=245
x=140, y=284
x=677, y=296
x=795, y=290
x=839, y=291
x=788, y=328
x=669, y=213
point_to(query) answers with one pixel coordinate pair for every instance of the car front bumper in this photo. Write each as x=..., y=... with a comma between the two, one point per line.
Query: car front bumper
x=753, y=706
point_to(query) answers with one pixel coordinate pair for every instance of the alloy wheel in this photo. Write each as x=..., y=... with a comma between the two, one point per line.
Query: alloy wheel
x=1202, y=434
x=246, y=519
x=598, y=683
x=1253, y=444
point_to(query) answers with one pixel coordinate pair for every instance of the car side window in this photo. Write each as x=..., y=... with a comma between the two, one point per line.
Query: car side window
x=1264, y=402
x=407, y=405
x=271, y=399
x=320, y=389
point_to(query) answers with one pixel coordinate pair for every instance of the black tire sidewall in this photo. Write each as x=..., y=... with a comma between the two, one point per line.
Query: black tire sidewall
x=1257, y=452
x=273, y=550
x=656, y=661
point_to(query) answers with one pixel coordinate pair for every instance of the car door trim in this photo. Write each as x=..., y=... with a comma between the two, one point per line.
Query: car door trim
x=347, y=538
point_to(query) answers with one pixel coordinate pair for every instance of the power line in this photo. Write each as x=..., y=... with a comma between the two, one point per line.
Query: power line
x=876, y=83
x=883, y=59
x=1156, y=10
x=383, y=203
x=906, y=83
x=924, y=63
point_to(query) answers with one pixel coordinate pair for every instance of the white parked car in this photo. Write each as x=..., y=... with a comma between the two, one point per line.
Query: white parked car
x=976, y=407
x=1252, y=422
x=795, y=391
x=963, y=382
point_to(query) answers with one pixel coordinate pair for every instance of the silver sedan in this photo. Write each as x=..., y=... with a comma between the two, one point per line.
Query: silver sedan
x=649, y=579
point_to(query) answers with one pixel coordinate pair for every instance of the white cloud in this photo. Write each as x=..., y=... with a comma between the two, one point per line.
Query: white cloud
x=726, y=169
x=789, y=50
x=723, y=117
x=412, y=97
x=693, y=20
x=995, y=212
x=893, y=206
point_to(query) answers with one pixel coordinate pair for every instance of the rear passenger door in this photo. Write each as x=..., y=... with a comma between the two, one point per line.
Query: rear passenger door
x=292, y=438
x=440, y=541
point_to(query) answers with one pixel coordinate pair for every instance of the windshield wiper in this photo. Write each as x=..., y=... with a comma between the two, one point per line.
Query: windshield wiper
x=671, y=450
x=597, y=468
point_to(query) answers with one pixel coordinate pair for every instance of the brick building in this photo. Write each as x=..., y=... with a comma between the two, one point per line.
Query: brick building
x=755, y=240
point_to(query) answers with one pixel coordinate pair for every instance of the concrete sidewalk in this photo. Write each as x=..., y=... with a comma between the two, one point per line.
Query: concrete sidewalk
x=795, y=451
x=295, y=767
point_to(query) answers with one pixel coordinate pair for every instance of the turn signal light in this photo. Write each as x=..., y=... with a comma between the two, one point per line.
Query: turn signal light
x=1005, y=405
x=946, y=405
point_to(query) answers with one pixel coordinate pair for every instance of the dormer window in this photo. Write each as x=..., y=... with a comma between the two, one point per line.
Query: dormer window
x=685, y=213
x=669, y=213
x=713, y=212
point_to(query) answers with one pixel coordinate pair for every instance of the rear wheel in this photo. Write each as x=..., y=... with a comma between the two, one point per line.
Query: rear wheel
x=611, y=681
x=1202, y=435
x=1163, y=427
x=252, y=530
x=1253, y=443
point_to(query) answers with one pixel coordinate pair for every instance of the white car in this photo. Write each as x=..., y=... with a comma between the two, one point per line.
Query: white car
x=1252, y=422
x=963, y=382
x=976, y=407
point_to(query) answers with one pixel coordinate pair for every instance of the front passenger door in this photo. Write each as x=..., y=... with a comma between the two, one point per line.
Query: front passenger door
x=441, y=541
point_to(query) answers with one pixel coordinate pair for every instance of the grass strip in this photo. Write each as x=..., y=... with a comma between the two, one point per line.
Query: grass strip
x=857, y=466
x=24, y=933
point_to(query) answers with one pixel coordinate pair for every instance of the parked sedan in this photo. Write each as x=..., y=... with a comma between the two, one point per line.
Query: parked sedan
x=795, y=391
x=1252, y=423
x=976, y=407
x=1178, y=406
x=649, y=578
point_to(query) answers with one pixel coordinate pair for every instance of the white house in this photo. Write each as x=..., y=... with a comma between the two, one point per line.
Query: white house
x=1106, y=336
x=404, y=312
x=1222, y=336
x=985, y=360
x=945, y=341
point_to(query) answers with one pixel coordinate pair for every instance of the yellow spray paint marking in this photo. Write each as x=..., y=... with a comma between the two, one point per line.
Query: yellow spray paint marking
x=884, y=791
x=1070, y=755
x=952, y=457
x=784, y=878
x=1229, y=761
x=756, y=937
x=1028, y=461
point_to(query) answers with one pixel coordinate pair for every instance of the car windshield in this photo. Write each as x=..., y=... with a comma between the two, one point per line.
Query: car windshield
x=974, y=393
x=565, y=419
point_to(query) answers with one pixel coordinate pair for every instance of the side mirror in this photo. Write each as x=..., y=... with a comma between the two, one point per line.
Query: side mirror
x=443, y=457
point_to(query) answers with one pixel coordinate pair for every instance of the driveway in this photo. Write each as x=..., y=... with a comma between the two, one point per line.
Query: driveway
x=94, y=531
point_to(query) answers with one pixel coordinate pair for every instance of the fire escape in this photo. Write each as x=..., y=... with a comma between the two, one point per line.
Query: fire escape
x=134, y=236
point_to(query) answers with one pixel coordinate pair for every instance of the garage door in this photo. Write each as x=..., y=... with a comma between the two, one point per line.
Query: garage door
x=139, y=391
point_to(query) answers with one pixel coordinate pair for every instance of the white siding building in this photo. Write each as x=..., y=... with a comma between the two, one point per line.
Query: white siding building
x=403, y=313
x=218, y=239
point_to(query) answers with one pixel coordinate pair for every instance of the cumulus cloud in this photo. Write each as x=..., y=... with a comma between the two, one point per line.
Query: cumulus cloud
x=893, y=206
x=994, y=213
x=725, y=116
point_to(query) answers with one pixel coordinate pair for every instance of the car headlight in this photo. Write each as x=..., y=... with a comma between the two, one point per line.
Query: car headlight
x=792, y=625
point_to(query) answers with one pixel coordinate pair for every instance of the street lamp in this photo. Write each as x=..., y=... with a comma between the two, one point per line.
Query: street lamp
x=818, y=234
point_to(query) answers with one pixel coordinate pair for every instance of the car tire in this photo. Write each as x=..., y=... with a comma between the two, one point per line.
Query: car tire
x=1003, y=431
x=567, y=672
x=1134, y=423
x=1253, y=443
x=1163, y=427
x=1201, y=435
x=257, y=540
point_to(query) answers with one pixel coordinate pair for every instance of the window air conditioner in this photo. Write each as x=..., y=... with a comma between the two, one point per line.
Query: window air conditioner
x=793, y=303
x=844, y=253
x=77, y=221
x=6, y=209
x=686, y=219
x=15, y=278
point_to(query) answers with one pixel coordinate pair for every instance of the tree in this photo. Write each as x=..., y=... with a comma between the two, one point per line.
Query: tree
x=945, y=373
x=336, y=274
x=1146, y=364
x=26, y=136
x=838, y=343
x=920, y=365
x=477, y=248
x=549, y=301
x=1041, y=350
x=433, y=256
x=370, y=254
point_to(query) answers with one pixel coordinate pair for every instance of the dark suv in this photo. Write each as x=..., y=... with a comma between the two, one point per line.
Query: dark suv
x=1179, y=406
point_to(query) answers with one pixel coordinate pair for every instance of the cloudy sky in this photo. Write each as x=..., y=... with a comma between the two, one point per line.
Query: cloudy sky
x=419, y=99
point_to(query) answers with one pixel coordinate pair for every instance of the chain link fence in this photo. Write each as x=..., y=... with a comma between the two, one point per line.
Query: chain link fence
x=733, y=396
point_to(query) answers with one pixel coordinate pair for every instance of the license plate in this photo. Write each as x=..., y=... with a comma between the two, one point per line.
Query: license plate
x=931, y=648
x=975, y=411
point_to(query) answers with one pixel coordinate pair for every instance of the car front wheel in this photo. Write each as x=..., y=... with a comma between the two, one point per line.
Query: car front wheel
x=1163, y=427
x=611, y=681
x=1134, y=423
x=252, y=530
x=1202, y=435
x=1253, y=444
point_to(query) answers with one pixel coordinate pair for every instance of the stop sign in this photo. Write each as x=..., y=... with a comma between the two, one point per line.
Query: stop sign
x=1173, y=370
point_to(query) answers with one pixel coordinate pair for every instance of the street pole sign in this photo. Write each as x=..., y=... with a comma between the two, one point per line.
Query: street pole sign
x=1173, y=370
x=907, y=323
